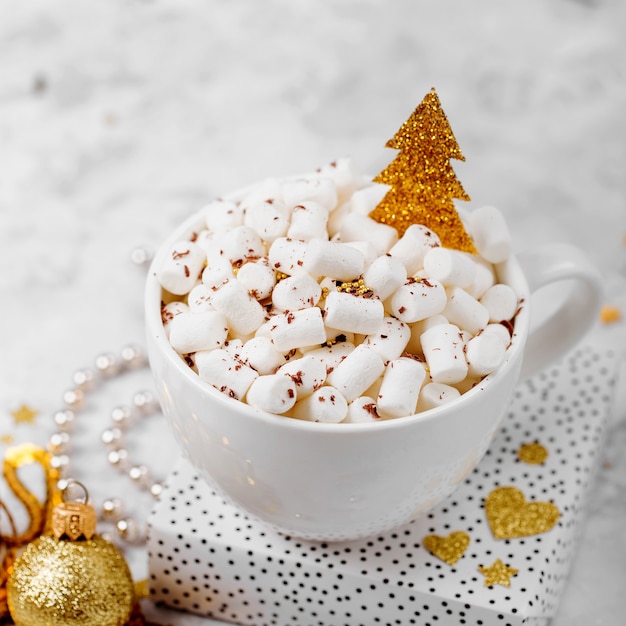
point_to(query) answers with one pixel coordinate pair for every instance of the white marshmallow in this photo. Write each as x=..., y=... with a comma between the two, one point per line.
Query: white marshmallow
x=286, y=255
x=364, y=201
x=296, y=329
x=199, y=298
x=370, y=252
x=308, y=221
x=500, y=301
x=413, y=245
x=344, y=176
x=261, y=354
x=325, y=405
x=257, y=278
x=272, y=393
x=500, y=331
x=181, y=267
x=243, y=312
x=353, y=313
x=363, y=410
x=268, y=189
x=217, y=272
x=354, y=374
x=296, y=292
x=240, y=244
x=400, y=387
x=436, y=394
x=356, y=227
x=490, y=234
x=335, y=260
x=414, y=346
x=484, y=354
x=169, y=311
x=194, y=331
x=308, y=373
x=443, y=348
x=449, y=267
x=335, y=219
x=385, y=275
x=331, y=356
x=465, y=311
x=269, y=218
x=234, y=347
x=484, y=277
x=222, y=215
x=321, y=190
x=418, y=299
x=391, y=340
x=225, y=372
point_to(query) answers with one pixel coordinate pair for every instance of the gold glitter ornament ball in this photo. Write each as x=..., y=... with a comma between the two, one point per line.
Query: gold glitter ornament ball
x=56, y=582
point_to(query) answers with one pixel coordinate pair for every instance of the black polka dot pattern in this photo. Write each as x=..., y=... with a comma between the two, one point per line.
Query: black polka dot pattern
x=207, y=557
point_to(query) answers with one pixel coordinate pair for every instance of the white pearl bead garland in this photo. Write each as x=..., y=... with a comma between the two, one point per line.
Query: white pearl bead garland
x=108, y=366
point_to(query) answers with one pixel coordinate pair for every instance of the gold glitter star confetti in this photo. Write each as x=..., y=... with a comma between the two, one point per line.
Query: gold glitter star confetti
x=497, y=574
x=532, y=453
x=449, y=549
x=7, y=439
x=24, y=414
x=423, y=183
x=610, y=314
x=510, y=515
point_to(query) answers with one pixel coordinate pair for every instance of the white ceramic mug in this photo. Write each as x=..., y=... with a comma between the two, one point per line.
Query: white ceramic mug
x=346, y=481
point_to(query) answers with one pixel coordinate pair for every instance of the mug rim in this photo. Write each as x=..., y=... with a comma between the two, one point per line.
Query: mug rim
x=156, y=334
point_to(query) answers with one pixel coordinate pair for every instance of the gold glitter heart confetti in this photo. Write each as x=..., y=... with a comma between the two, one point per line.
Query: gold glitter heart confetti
x=497, y=574
x=532, y=453
x=510, y=515
x=449, y=549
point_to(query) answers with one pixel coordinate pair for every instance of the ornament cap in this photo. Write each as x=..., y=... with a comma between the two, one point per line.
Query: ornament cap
x=74, y=520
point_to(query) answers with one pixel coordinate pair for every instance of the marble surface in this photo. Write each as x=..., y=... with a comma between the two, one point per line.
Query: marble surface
x=120, y=118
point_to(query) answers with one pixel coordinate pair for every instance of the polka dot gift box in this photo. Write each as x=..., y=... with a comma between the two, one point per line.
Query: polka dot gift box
x=496, y=552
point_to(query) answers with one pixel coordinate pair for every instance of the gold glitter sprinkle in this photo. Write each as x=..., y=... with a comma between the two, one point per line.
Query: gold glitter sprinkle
x=24, y=415
x=281, y=276
x=497, y=574
x=449, y=549
x=7, y=439
x=423, y=183
x=510, y=515
x=356, y=288
x=610, y=314
x=532, y=453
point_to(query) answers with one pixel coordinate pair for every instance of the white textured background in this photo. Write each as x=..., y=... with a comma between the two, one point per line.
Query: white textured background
x=118, y=118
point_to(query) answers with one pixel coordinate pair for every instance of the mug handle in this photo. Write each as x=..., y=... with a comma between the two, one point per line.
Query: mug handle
x=571, y=314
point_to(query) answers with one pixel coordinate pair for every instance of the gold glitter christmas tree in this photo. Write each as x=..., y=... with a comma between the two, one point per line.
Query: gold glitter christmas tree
x=423, y=183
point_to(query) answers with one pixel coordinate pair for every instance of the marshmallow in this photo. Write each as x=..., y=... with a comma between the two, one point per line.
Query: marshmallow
x=465, y=311
x=331, y=356
x=199, y=298
x=234, y=347
x=385, y=275
x=443, y=348
x=240, y=244
x=169, y=311
x=413, y=245
x=500, y=301
x=296, y=292
x=418, y=299
x=391, y=340
x=257, y=278
x=269, y=189
x=308, y=373
x=353, y=313
x=484, y=277
x=308, y=221
x=217, y=272
x=362, y=411
x=269, y=218
x=261, y=354
x=243, y=312
x=325, y=404
x=336, y=217
x=222, y=215
x=181, y=267
x=449, y=267
x=436, y=394
x=332, y=259
x=354, y=374
x=225, y=372
x=296, y=329
x=356, y=227
x=320, y=190
x=286, y=255
x=500, y=331
x=272, y=393
x=194, y=331
x=484, y=354
x=490, y=234
x=370, y=252
x=400, y=387
x=344, y=177
x=364, y=201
